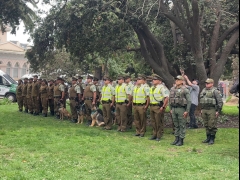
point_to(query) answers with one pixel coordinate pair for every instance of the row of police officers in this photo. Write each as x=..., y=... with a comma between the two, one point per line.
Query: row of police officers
x=126, y=97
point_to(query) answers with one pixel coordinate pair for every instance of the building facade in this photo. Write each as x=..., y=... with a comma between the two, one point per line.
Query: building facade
x=12, y=57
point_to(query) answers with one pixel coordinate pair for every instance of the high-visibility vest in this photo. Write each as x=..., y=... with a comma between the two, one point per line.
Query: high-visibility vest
x=139, y=95
x=106, y=93
x=156, y=95
x=120, y=93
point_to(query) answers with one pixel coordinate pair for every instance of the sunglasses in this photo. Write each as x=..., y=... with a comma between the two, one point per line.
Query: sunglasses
x=207, y=83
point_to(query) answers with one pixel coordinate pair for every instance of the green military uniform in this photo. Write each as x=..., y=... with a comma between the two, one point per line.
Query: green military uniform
x=140, y=94
x=179, y=102
x=106, y=99
x=57, y=94
x=29, y=97
x=121, y=95
x=51, y=98
x=74, y=91
x=130, y=86
x=157, y=95
x=88, y=98
x=24, y=96
x=211, y=102
x=19, y=97
x=35, y=97
x=44, y=99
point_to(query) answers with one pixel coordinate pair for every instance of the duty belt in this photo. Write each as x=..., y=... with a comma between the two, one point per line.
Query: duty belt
x=105, y=102
x=208, y=107
x=154, y=104
x=72, y=98
x=120, y=103
x=139, y=104
x=88, y=98
x=57, y=96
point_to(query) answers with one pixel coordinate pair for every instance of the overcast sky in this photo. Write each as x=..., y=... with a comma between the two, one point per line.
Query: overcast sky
x=20, y=36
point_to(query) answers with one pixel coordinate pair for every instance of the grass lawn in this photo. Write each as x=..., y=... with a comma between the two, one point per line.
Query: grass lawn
x=45, y=148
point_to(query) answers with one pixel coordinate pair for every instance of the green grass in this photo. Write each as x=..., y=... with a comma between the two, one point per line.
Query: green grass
x=44, y=148
x=230, y=110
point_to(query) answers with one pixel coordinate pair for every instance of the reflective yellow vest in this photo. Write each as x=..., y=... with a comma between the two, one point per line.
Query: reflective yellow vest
x=156, y=94
x=139, y=95
x=120, y=93
x=106, y=93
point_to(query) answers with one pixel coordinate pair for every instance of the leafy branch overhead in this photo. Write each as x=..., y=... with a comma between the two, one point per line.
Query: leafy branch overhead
x=198, y=36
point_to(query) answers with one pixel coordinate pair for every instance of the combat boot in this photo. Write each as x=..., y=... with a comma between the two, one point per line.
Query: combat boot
x=176, y=141
x=26, y=110
x=207, y=140
x=211, y=141
x=89, y=122
x=180, y=142
x=57, y=116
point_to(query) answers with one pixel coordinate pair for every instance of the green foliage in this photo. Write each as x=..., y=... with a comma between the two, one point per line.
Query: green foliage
x=5, y=101
x=34, y=147
x=230, y=110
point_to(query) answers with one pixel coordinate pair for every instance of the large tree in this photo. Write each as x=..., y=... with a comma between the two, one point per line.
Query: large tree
x=197, y=36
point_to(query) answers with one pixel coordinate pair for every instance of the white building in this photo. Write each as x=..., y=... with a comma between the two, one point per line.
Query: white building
x=12, y=57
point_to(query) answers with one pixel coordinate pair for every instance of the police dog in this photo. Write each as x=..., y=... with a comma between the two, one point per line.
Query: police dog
x=97, y=117
x=81, y=111
x=63, y=112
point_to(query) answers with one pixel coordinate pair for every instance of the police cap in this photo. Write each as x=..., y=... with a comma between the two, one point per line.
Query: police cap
x=179, y=78
x=209, y=80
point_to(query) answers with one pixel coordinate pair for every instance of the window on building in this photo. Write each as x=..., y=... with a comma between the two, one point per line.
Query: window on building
x=24, y=69
x=15, y=70
x=8, y=69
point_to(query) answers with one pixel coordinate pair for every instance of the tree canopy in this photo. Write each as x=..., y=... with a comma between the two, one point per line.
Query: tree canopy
x=197, y=36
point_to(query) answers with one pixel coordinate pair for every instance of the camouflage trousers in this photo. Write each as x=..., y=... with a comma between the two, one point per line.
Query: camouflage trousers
x=179, y=122
x=210, y=120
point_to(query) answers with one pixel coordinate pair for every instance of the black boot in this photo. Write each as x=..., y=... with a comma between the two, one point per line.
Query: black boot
x=26, y=110
x=212, y=138
x=57, y=116
x=207, y=140
x=180, y=142
x=176, y=141
x=74, y=121
x=89, y=122
x=52, y=113
x=45, y=115
x=152, y=138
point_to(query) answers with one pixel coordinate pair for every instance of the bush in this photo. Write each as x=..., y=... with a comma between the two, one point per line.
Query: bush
x=230, y=110
x=5, y=101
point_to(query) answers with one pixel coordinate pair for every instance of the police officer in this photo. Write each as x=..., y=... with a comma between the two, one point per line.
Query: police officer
x=122, y=93
x=39, y=95
x=24, y=94
x=89, y=97
x=29, y=96
x=107, y=99
x=50, y=96
x=159, y=95
x=81, y=85
x=141, y=99
x=19, y=95
x=35, y=95
x=44, y=97
x=58, y=95
x=180, y=103
x=98, y=90
x=129, y=108
x=74, y=97
x=211, y=104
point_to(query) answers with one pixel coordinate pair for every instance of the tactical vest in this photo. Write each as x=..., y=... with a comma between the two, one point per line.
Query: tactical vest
x=120, y=93
x=156, y=94
x=177, y=98
x=44, y=91
x=106, y=93
x=35, y=89
x=57, y=92
x=72, y=92
x=29, y=90
x=207, y=97
x=19, y=90
x=139, y=96
x=50, y=91
x=87, y=92
x=24, y=89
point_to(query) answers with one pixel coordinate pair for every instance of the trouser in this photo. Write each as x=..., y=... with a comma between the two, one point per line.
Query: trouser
x=140, y=119
x=179, y=122
x=192, y=115
x=56, y=105
x=29, y=103
x=210, y=121
x=157, y=121
x=107, y=115
x=129, y=116
x=44, y=100
x=88, y=106
x=40, y=104
x=73, y=109
x=25, y=102
x=20, y=102
x=35, y=102
x=121, y=112
x=51, y=105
